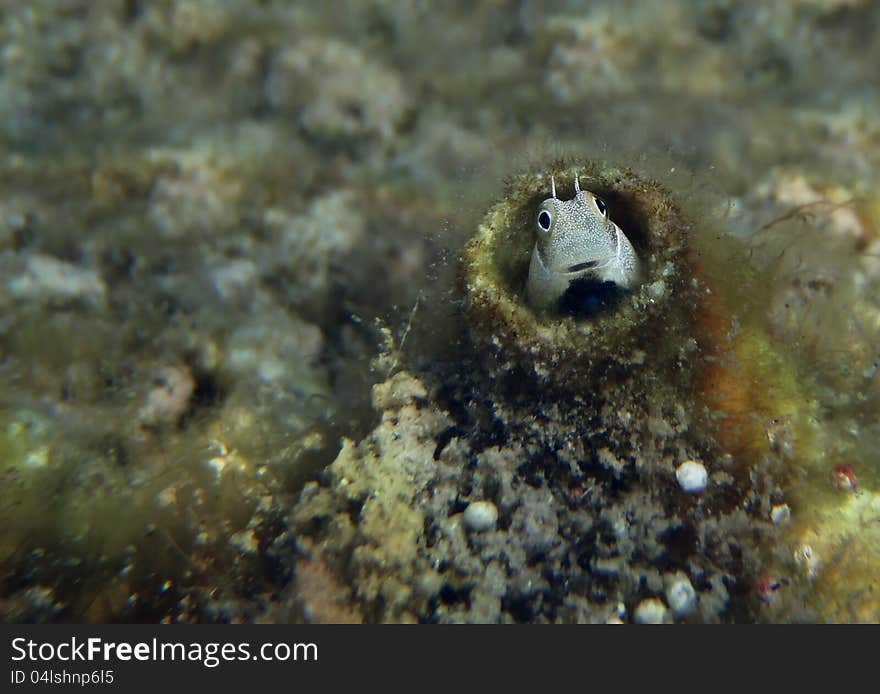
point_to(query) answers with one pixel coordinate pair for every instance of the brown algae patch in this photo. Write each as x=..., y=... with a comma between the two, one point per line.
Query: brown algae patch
x=822, y=323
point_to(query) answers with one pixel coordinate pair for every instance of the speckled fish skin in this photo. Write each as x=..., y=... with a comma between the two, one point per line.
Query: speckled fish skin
x=581, y=242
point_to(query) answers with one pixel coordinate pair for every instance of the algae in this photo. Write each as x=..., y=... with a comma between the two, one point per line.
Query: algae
x=222, y=223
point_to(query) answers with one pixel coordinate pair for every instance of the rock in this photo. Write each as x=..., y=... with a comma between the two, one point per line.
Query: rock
x=199, y=197
x=310, y=244
x=388, y=476
x=692, y=477
x=535, y=523
x=234, y=279
x=277, y=349
x=680, y=594
x=331, y=87
x=650, y=611
x=398, y=391
x=170, y=398
x=780, y=514
x=50, y=280
x=481, y=516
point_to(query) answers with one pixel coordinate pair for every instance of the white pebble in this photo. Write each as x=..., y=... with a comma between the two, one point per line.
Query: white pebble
x=808, y=559
x=692, y=476
x=780, y=514
x=680, y=594
x=481, y=516
x=657, y=290
x=46, y=278
x=650, y=611
x=170, y=398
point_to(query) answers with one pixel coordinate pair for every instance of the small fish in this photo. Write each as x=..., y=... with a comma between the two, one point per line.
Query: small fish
x=576, y=241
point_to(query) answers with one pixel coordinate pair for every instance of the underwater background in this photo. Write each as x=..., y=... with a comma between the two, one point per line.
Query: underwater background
x=241, y=378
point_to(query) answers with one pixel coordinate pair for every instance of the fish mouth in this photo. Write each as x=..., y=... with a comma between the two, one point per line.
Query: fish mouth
x=588, y=265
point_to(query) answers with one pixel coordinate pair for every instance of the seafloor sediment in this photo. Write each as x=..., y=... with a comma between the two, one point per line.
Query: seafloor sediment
x=238, y=376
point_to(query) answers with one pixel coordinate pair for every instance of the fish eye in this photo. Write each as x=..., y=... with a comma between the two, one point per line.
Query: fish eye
x=545, y=221
x=600, y=205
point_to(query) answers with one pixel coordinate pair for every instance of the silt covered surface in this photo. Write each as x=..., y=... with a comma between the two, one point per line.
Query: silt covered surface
x=232, y=237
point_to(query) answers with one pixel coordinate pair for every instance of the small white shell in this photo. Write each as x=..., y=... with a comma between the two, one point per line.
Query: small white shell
x=692, y=476
x=780, y=514
x=807, y=558
x=650, y=611
x=481, y=516
x=680, y=594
